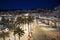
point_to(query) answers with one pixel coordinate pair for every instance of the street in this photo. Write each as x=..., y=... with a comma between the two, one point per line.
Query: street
x=42, y=32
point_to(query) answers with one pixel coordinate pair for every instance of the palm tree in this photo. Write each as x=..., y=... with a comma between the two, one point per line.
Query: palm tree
x=29, y=20
x=5, y=21
x=4, y=34
x=19, y=31
x=19, y=20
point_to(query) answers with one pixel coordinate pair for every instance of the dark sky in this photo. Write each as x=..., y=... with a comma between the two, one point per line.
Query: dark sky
x=28, y=4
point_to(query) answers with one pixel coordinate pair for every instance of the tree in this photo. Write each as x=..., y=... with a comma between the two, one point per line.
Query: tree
x=28, y=20
x=19, y=31
x=5, y=21
x=4, y=34
x=19, y=20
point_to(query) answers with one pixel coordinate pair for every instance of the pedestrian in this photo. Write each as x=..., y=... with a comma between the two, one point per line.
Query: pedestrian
x=28, y=37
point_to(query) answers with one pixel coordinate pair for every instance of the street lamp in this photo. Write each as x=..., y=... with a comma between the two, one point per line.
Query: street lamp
x=26, y=16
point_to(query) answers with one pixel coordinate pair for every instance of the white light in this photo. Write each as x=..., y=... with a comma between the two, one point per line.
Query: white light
x=26, y=14
x=0, y=18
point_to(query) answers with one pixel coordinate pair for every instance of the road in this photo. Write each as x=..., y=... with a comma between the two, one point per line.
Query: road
x=42, y=32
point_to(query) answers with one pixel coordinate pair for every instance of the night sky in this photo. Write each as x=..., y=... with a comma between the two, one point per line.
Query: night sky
x=28, y=4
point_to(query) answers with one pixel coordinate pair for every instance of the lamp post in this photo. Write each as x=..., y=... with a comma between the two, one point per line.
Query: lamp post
x=26, y=16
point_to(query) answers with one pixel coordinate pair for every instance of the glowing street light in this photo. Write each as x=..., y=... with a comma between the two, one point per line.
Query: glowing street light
x=26, y=14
